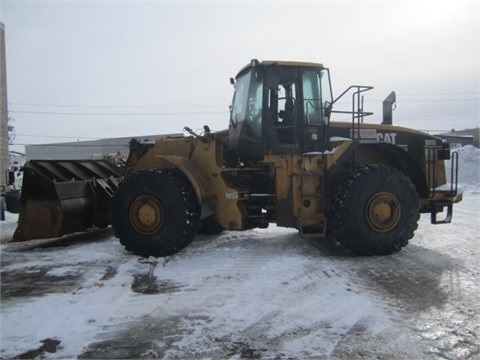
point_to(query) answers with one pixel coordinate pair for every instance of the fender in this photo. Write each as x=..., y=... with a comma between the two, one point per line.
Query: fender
x=397, y=157
x=199, y=180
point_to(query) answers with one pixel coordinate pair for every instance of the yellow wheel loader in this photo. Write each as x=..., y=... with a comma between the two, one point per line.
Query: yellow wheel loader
x=281, y=161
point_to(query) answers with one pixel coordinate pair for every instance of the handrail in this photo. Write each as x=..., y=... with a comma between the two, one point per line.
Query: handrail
x=357, y=111
x=454, y=171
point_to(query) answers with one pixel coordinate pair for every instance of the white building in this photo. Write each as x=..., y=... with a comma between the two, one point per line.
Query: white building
x=92, y=149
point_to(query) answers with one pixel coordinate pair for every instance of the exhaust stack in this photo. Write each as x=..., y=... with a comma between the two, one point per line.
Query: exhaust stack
x=388, y=107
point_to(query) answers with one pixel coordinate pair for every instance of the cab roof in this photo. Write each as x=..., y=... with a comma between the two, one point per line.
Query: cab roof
x=282, y=63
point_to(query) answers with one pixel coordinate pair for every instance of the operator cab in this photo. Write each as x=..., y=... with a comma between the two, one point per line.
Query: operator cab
x=280, y=107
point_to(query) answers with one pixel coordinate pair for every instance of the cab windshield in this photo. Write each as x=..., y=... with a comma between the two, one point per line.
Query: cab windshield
x=247, y=101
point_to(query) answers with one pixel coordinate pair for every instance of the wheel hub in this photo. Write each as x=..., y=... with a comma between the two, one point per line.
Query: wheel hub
x=383, y=212
x=146, y=215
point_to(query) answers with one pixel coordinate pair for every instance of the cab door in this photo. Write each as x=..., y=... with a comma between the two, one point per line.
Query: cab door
x=316, y=106
x=283, y=110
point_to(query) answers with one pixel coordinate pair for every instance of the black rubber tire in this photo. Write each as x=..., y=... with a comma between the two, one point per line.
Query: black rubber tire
x=356, y=223
x=176, y=200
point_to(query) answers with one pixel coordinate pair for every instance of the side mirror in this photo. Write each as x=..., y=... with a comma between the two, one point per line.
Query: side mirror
x=328, y=109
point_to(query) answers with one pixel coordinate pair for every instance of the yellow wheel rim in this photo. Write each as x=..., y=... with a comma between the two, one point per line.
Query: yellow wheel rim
x=146, y=215
x=383, y=212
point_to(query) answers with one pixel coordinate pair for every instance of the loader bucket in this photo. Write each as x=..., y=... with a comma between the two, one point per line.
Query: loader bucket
x=60, y=197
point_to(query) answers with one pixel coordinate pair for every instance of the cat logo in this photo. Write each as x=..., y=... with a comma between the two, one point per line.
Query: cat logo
x=390, y=138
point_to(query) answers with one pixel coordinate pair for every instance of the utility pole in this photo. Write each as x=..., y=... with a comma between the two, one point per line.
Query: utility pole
x=4, y=154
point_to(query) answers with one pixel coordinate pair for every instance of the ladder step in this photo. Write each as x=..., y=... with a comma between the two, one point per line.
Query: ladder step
x=310, y=233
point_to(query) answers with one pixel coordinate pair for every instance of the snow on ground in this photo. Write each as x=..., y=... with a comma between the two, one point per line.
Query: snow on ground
x=258, y=287
x=254, y=294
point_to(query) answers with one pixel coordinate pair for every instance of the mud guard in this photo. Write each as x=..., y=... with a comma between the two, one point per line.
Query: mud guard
x=200, y=181
x=396, y=157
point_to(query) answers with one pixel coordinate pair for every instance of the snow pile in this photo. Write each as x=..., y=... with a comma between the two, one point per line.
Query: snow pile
x=468, y=167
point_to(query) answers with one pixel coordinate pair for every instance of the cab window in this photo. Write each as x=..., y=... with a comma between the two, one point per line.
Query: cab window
x=317, y=96
x=247, y=102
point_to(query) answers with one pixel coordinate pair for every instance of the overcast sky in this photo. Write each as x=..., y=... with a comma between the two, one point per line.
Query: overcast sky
x=154, y=66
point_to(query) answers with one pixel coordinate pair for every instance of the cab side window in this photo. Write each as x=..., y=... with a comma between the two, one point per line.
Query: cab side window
x=286, y=104
x=316, y=97
x=254, y=107
x=285, y=116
